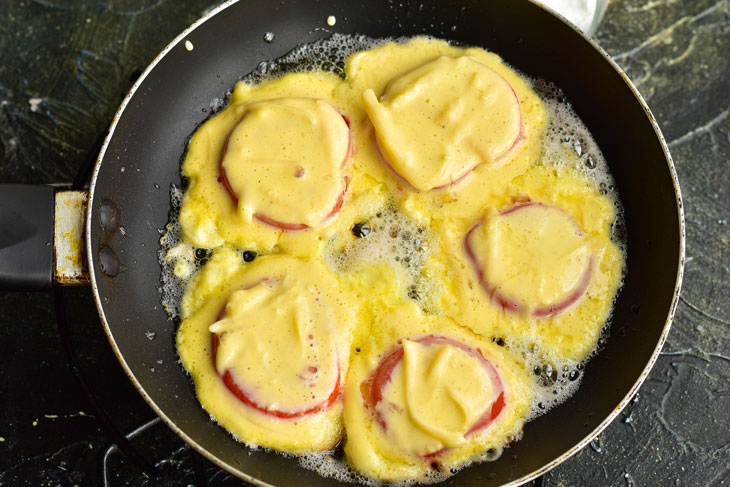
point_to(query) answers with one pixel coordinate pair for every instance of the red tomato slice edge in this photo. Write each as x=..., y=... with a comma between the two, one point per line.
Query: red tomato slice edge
x=223, y=179
x=519, y=138
x=510, y=304
x=232, y=386
x=241, y=395
x=382, y=376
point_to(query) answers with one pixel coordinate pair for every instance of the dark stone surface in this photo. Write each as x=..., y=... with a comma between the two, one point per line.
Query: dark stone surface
x=65, y=66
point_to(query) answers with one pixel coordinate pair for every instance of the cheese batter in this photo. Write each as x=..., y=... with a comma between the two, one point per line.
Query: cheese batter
x=390, y=256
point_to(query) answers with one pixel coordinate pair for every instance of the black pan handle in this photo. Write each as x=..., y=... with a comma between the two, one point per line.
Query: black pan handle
x=35, y=252
x=26, y=237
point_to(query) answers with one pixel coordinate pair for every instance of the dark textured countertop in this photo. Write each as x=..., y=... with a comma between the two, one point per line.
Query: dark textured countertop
x=65, y=66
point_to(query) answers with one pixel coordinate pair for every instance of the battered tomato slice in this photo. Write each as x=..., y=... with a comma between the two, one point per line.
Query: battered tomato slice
x=301, y=226
x=291, y=226
x=457, y=180
x=386, y=163
x=581, y=276
x=232, y=385
x=374, y=388
x=434, y=124
x=299, y=381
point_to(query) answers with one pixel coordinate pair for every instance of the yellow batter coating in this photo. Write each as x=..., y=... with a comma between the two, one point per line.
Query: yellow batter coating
x=210, y=217
x=294, y=171
x=439, y=121
x=269, y=346
x=571, y=334
x=412, y=277
x=384, y=453
x=532, y=256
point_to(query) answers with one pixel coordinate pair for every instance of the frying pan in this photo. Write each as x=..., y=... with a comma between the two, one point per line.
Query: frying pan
x=129, y=202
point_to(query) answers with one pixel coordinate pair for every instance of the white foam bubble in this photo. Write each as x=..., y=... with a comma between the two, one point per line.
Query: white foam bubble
x=172, y=287
x=323, y=55
x=394, y=240
x=217, y=104
x=554, y=380
x=327, y=464
x=568, y=143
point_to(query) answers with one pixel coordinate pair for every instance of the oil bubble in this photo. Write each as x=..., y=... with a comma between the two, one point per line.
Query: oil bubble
x=108, y=216
x=108, y=261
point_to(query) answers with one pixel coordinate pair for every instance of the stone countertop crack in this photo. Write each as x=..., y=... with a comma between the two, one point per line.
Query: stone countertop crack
x=668, y=31
x=704, y=313
x=706, y=128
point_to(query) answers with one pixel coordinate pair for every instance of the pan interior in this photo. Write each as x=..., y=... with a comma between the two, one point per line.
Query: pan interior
x=142, y=161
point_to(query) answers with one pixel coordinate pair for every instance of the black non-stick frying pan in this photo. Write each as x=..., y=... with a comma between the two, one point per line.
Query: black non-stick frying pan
x=140, y=160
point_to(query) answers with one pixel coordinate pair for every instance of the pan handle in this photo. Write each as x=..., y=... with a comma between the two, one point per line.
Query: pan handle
x=35, y=254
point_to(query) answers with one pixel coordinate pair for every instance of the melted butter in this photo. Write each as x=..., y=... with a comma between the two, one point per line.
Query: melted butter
x=535, y=254
x=438, y=121
x=444, y=391
x=273, y=316
x=285, y=160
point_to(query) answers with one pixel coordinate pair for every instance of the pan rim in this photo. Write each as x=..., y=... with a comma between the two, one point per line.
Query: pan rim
x=680, y=263
x=517, y=482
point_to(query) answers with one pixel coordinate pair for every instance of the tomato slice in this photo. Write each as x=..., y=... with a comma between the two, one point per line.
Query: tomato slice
x=496, y=158
x=557, y=308
x=373, y=388
x=223, y=179
x=281, y=225
x=510, y=304
x=386, y=163
x=520, y=135
x=301, y=226
x=229, y=380
x=232, y=385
